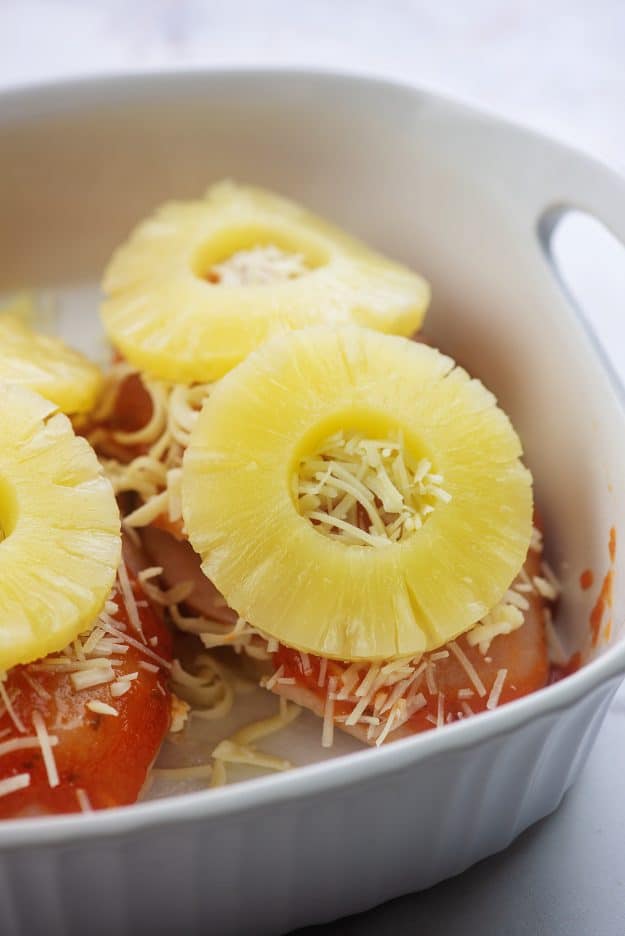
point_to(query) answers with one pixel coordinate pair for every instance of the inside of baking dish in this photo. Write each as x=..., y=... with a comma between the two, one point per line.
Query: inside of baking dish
x=497, y=307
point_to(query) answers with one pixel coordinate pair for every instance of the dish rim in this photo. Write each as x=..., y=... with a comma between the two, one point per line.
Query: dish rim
x=359, y=766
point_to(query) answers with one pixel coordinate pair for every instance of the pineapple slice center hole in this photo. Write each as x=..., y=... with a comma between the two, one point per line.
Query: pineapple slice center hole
x=367, y=491
x=8, y=509
x=257, y=257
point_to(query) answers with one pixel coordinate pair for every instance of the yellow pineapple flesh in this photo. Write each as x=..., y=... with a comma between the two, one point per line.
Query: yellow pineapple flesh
x=201, y=284
x=59, y=529
x=356, y=495
x=46, y=365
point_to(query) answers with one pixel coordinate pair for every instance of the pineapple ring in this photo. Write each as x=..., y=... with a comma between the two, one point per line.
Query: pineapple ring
x=321, y=594
x=47, y=366
x=60, y=544
x=168, y=317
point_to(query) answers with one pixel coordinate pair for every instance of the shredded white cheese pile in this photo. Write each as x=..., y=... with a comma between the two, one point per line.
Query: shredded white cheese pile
x=93, y=659
x=368, y=492
x=209, y=693
x=383, y=697
x=156, y=474
x=259, y=266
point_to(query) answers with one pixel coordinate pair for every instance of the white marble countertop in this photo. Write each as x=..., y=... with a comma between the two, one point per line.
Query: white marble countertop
x=558, y=65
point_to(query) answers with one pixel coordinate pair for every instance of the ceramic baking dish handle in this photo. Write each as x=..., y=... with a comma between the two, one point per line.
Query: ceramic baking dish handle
x=577, y=182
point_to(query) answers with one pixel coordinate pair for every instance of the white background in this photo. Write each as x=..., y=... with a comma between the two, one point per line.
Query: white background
x=558, y=65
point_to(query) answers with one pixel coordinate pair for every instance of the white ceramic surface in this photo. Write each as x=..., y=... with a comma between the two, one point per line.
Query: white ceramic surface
x=461, y=197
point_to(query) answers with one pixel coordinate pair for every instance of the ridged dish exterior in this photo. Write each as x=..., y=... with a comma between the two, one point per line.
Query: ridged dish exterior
x=309, y=860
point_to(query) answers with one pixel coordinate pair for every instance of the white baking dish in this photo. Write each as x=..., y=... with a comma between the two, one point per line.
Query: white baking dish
x=470, y=202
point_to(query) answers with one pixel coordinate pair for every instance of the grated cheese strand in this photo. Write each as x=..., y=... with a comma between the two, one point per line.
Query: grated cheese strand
x=468, y=668
x=327, y=733
x=120, y=688
x=83, y=800
x=233, y=753
x=440, y=711
x=129, y=600
x=261, y=729
x=101, y=708
x=87, y=679
x=111, y=629
x=155, y=475
x=273, y=679
x=15, y=783
x=220, y=776
x=545, y=588
x=20, y=744
x=36, y=685
x=258, y=266
x=4, y=695
x=46, y=749
x=350, y=477
x=495, y=692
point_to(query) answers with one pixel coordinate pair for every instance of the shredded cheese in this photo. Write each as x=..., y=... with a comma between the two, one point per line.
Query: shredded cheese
x=96, y=676
x=468, y=668
x=166, y=597
x=557, y=651
x=179, y=711
x=83, y=800
x=153, y=475
x=101, y=708
x=220, y=776
x=267, y=726
x=233, y=753
x=545, y=588
x=440, y=710
x=273, y=679
x=504, y=618
x=120, y=687
x=111, y=629
x=209, y=691
x=392, y=722
x=369, y=492
x=465, y=693
x=35, y=685
x=13, y=784
x=129, y=600
x=258, y=266
x=430, y=678
x=45, y=744
x=4, y=695
x=327, y=735
x=495, y=692
x=20, y=744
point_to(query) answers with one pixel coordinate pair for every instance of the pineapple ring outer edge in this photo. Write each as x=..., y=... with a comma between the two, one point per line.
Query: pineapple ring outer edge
x=259, y=551
x=62, y=548
x=171, y=323
x=46, y=365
